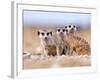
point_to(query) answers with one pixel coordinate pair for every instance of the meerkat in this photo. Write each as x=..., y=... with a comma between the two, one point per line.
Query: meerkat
x=77, y=44
x=52, y=44
x=46, y=42
x=65, y=47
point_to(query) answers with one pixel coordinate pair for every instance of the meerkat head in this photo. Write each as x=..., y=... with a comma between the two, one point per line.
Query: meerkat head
x=45, y=35
x=71, y=28
x=60, y=31
x=66, y=31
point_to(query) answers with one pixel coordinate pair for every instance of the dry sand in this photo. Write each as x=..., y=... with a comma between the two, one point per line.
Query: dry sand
x=54, y=62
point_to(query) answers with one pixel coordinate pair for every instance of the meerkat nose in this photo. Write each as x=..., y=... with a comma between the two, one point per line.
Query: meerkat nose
x=72, y=29
x=61, y=32
x=46, y=38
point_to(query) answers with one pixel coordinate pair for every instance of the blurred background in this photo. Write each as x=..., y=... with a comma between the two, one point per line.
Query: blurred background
x=53, y=19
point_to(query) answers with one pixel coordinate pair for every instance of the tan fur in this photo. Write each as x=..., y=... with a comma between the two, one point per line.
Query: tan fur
x=51, y=50
x=78, y=44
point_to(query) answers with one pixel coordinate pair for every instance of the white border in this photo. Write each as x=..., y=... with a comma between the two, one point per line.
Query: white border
x=17, y=39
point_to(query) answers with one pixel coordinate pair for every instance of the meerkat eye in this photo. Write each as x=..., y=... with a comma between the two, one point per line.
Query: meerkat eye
x=42, y=33
x=51, y=33
x=38, y=33
x=66, y=30
x=47, y=33
x=63, y=30
x=73, y=26
x=58, y=30
x=69, y=26
x=65, y=26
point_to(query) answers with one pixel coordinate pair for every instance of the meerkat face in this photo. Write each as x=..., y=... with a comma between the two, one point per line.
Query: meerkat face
x=60, y=31
x=45, y=35
x=66, y=31
x=71, y=28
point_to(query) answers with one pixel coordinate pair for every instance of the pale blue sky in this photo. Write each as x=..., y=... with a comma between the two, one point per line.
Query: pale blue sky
x=35, y=18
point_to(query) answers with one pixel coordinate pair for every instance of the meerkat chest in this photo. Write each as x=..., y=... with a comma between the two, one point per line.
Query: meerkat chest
x=58, y=40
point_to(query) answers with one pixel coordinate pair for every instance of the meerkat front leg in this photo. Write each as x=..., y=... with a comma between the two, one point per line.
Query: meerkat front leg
x=71, y=51
x=45, y=52
x=58, y=51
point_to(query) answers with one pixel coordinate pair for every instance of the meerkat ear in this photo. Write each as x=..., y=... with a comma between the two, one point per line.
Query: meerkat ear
x=38, y=33
x=51, y=33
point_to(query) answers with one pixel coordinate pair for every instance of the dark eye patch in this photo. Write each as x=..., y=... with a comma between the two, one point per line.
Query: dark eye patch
x=58, y=30
x=47, y=33
x=51, y=33
x=66, y=30
x=38, y=33
x=73, y=26
x=42, y=33
x=69, y=26
x=63, y=30
x=65, y=26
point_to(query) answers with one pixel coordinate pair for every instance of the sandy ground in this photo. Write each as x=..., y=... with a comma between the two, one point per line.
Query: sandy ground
x=56, y=62
x=31, y=45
